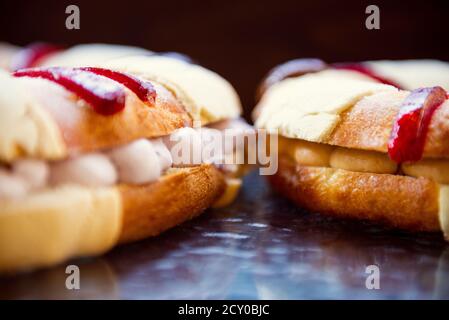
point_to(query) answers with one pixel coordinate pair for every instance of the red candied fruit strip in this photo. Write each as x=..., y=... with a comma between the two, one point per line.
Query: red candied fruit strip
x=143, y=89
x=289, y=69
x=365, y=70
x=410, y=128
x=105, y=96
x=30, y=56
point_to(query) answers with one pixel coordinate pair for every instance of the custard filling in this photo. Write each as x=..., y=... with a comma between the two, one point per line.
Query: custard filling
x=322, y=155
x=139, y=162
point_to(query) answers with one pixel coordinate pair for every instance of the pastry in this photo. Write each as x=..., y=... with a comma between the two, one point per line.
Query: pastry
x=89, y=156
x=353, y=147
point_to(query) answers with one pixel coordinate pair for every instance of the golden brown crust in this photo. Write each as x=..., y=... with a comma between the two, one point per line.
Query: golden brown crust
x=398, y=201
x=367, y=125
x=85, y=130
x=182, y=195
x=437, y=144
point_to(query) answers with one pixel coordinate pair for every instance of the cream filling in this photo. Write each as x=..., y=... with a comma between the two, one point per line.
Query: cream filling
x=306, y=153
x=435, y=169
x=322, y=155
x=362, y=161
x=139, y=162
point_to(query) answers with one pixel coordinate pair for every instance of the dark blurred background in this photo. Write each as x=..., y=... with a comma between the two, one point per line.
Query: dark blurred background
x=241, y=40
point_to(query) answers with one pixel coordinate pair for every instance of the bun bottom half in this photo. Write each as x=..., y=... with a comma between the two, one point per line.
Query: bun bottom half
x=52, y=226
x=181, y=195
x=396, y=201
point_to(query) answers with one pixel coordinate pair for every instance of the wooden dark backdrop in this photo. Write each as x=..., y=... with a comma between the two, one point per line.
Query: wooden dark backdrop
x=241, y=39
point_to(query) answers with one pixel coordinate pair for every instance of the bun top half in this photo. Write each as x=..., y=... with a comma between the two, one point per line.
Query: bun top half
x=206, y=95
x=345, y=109
x=42, y=119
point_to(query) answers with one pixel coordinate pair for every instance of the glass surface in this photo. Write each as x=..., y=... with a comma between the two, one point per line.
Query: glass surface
x=262, y=247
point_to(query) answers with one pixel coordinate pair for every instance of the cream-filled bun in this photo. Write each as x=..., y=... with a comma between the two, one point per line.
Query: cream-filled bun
x=75, y=181
x=334, y=128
